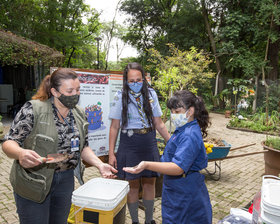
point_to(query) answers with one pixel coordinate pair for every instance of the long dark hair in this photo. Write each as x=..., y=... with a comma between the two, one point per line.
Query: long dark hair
x=144, y=91
x=187, y=99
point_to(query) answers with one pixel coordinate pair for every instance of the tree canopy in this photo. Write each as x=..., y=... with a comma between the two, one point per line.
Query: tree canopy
x=57, y=24
x=241, y=37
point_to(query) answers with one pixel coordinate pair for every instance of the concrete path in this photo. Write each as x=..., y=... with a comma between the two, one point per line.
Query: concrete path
x=239, y=182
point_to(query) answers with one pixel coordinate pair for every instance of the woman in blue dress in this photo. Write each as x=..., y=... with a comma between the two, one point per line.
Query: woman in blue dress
x=136, y=111
x=185, y=197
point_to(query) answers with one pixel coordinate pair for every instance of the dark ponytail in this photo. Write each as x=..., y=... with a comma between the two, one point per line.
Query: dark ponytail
x=202, y=115
x=187, y=99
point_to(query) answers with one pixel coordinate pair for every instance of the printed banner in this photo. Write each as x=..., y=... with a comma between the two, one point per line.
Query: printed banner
x=96, y=96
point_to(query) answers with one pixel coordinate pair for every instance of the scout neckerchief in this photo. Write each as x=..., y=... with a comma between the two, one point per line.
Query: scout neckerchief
x=139, y=106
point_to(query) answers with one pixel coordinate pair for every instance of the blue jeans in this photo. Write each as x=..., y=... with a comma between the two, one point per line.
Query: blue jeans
x=55, y=209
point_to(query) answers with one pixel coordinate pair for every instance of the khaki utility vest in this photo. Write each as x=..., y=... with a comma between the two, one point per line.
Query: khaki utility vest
x=35, y=183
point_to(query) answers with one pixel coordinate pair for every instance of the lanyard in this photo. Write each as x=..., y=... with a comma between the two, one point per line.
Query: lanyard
x=71, y=126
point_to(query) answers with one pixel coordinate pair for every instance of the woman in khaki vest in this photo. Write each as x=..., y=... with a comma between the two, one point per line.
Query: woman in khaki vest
x=50, y=123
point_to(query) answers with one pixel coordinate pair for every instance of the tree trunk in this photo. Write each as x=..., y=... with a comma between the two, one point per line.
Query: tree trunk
x=273, y=51
x=213, y=44
x=69, y=59
x=255, y=95
x=273, y=57
x=111, y=34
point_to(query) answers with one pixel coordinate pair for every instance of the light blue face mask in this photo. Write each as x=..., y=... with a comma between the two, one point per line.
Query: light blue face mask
x=180, y=120
x=136, y=86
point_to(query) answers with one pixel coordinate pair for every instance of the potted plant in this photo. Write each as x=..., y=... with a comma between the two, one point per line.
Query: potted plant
x=272, y=156
x=227, y=113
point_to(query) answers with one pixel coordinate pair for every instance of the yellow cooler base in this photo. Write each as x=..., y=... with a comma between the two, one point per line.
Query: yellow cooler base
x=94, y=216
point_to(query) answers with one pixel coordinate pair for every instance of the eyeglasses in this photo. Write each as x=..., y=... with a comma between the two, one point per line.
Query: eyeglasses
x=134, y=82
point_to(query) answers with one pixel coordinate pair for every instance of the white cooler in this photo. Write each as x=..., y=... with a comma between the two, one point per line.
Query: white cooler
x=100, y=201
x=270, y=200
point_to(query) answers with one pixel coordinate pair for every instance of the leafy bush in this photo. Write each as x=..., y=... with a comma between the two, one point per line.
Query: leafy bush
x=273, y=98
x=258, y=122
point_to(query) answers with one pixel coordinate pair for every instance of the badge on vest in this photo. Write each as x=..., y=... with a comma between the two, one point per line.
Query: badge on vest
x=75, y=143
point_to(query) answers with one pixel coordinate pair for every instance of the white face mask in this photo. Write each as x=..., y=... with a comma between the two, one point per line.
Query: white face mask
x=179, y=120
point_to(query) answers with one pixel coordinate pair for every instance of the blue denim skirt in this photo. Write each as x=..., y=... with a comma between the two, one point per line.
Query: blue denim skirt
x=134, y=149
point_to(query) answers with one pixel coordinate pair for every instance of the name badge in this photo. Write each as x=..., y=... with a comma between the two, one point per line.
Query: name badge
x=75, y=144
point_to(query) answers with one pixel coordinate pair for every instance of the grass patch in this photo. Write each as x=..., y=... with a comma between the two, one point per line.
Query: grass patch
x=273, y=142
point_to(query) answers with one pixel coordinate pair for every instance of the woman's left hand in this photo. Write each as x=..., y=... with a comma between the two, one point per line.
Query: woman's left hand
x=136, y=169
x=107, y=171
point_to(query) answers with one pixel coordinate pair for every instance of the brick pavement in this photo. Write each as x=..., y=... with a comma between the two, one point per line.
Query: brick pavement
x=240, y=177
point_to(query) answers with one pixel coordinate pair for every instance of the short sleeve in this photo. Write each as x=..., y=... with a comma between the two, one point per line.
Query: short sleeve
x=22, y=124
x=116, y=107
x=155, y=104
x=186, y=153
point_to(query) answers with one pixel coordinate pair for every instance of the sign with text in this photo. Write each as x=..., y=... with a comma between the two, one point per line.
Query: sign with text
x=96, y=96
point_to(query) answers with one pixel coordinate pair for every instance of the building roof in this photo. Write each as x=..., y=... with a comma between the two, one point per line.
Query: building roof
x=15, y=50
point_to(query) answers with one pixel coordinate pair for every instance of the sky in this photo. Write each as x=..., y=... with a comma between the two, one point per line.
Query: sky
x=107, y=7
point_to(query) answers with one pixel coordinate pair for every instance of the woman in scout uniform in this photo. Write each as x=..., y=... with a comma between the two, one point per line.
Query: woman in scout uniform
x=185, y=198
x=136, y=111
x=50, y=123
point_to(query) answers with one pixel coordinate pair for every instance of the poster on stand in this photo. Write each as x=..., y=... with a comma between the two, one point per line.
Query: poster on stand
x=94, y=98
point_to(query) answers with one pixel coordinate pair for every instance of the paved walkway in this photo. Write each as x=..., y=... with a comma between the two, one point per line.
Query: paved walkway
x=240, y=177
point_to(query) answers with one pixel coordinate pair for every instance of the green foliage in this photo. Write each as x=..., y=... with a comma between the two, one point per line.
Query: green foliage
x=273, y=98
x=154, y=23
x=181, y=70
x=259, y=123
x=241, y=30
x=57, y=24
x=16, y=50
x=83, y=57
x=243, y=33
x=120, y=65
x=273, y=142
x=0, y=118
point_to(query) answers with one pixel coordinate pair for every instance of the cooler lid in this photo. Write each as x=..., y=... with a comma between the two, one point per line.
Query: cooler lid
x=101, y=189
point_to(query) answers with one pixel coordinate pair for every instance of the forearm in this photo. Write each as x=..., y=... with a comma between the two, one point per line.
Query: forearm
x=160, y=127
x=89, y=157
x=12, y=149
x=167, y=168
x=114, y=131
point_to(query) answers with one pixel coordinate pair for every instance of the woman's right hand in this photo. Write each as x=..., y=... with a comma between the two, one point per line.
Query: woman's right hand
x=113, y=160
x=136, y=169
x=29, y=158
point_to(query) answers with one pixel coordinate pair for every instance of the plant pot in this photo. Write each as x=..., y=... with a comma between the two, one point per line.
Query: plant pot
x=227, y=113
x=272, y=160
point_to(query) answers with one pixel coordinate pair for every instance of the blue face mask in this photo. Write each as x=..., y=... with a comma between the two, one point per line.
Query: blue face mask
x=136, y=86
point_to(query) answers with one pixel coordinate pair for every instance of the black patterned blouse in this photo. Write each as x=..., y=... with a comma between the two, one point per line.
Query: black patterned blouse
x=23, y=124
